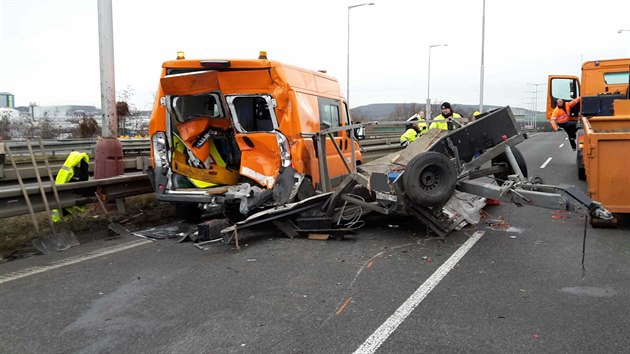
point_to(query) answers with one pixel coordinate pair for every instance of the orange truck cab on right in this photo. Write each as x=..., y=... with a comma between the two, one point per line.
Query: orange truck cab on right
x=235, y=135
x=604, y=118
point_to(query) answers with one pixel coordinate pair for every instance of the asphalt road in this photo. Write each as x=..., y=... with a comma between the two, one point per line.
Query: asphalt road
x=519, y=288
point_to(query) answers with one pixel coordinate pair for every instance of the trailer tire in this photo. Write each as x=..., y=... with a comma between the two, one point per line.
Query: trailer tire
x=429, y=179
x=503, y=159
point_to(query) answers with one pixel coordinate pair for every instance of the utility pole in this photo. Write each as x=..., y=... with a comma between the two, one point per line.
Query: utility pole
x=108, y=156
x=428, y=105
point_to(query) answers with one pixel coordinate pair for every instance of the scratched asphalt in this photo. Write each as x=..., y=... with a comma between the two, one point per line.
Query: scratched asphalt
x=521, y=288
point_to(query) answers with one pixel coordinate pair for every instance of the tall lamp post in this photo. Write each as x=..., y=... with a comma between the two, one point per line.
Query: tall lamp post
x=535, y=100
x=428, y=106
x=348, y=52
x=483, y=32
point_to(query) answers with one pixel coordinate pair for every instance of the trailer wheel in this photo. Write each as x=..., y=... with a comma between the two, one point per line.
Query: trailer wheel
x=429, y=179
x=503, y=159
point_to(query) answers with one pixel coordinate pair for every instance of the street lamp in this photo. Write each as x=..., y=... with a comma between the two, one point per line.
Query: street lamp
x=428, y=106
x=348, y=61
x=535, y=99
x=483, y=32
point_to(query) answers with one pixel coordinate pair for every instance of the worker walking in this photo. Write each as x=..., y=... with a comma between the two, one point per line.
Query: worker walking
x=560, y=117
x=448, y=120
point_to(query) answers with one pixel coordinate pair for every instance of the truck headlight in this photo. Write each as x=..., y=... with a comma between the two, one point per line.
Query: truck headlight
x=160, y=149
x=285, y=152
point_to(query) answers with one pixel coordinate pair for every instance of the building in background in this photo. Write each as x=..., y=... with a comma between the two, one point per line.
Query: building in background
x=7, y=100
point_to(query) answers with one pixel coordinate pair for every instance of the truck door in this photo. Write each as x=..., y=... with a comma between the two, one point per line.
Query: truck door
x=264, y=150
x=331, y=116
x=565, y=87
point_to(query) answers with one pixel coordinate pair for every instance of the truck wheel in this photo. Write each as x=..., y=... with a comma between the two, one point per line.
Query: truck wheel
x=503, y=159
x=189, y=212
x=429, y=179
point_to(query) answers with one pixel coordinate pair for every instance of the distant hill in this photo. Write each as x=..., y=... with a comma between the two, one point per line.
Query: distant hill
x=387, y=111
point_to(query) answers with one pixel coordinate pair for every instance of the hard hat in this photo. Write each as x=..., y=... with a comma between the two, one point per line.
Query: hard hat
x=476, y=113
x=412, y=118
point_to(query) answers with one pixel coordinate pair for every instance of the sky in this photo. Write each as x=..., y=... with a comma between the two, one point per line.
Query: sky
x=49, y=52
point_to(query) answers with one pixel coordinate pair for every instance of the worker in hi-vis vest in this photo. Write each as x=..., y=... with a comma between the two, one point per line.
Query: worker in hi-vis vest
x=448, y=120
x=415, y=127
x=75, y=168
x=561, y=117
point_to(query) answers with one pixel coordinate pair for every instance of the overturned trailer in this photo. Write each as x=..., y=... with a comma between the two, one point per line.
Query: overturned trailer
x=479, y=159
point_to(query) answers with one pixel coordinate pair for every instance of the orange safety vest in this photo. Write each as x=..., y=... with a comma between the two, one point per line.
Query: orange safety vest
x=560, y=115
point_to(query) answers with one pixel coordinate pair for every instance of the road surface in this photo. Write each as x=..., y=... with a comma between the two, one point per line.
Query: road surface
x=516, y=286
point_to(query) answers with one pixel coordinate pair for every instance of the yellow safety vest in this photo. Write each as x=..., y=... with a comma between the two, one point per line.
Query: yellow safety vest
x=214, y=153
x=409, y=136
x=65, y=174
x=443, y=124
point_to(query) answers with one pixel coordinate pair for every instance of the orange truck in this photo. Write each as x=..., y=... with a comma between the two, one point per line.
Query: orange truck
x=234, y=135
x=604, y=118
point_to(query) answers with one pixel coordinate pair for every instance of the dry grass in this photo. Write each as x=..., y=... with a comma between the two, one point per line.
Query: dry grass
x=143, y=211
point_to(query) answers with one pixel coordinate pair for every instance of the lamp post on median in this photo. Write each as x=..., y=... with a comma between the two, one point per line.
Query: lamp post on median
x=428, y=106
x=535, y=100
x=348, y=52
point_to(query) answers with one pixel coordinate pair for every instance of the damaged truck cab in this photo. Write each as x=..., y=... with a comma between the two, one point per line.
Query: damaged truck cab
x=236, y=135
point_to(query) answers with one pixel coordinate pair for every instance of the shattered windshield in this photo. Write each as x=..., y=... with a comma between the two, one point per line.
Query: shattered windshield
x=252, y=113
x=189, y=107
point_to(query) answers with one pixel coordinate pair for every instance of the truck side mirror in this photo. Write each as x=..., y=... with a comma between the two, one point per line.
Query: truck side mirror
x=359, y=133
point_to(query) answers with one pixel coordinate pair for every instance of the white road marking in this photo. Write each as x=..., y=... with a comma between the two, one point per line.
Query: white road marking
x=389, y=326
x=72, y=260
x=546, y=162
x=561, y=145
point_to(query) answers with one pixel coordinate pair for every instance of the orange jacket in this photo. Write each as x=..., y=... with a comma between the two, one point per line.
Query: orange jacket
x=560, y=115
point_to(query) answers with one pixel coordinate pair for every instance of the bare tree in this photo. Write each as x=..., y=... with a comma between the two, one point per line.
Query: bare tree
x=125, y=110
x=47, y=128
x=403, y=111
x=87, y=127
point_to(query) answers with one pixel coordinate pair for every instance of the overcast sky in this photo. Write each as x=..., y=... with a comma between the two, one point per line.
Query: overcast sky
x=49, y=49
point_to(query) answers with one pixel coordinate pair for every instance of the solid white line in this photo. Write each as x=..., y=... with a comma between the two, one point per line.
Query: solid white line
x=389, y=326
x=72, y=260
x=561, y=145
x=546, y=162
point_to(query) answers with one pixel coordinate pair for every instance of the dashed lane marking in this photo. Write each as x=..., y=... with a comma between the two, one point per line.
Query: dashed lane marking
x=72, y=260
x=561, y=145
x=546, y=162
x=389, y=326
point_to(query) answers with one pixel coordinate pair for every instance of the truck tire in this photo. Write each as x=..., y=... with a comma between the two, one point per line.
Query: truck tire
x=503, y=159
x=189, y=212
x=429, y=179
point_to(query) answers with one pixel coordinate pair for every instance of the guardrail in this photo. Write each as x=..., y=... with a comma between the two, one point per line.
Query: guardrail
x=134, y=182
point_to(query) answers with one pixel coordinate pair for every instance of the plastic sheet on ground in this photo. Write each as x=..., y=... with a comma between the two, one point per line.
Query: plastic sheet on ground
x=467, y=205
